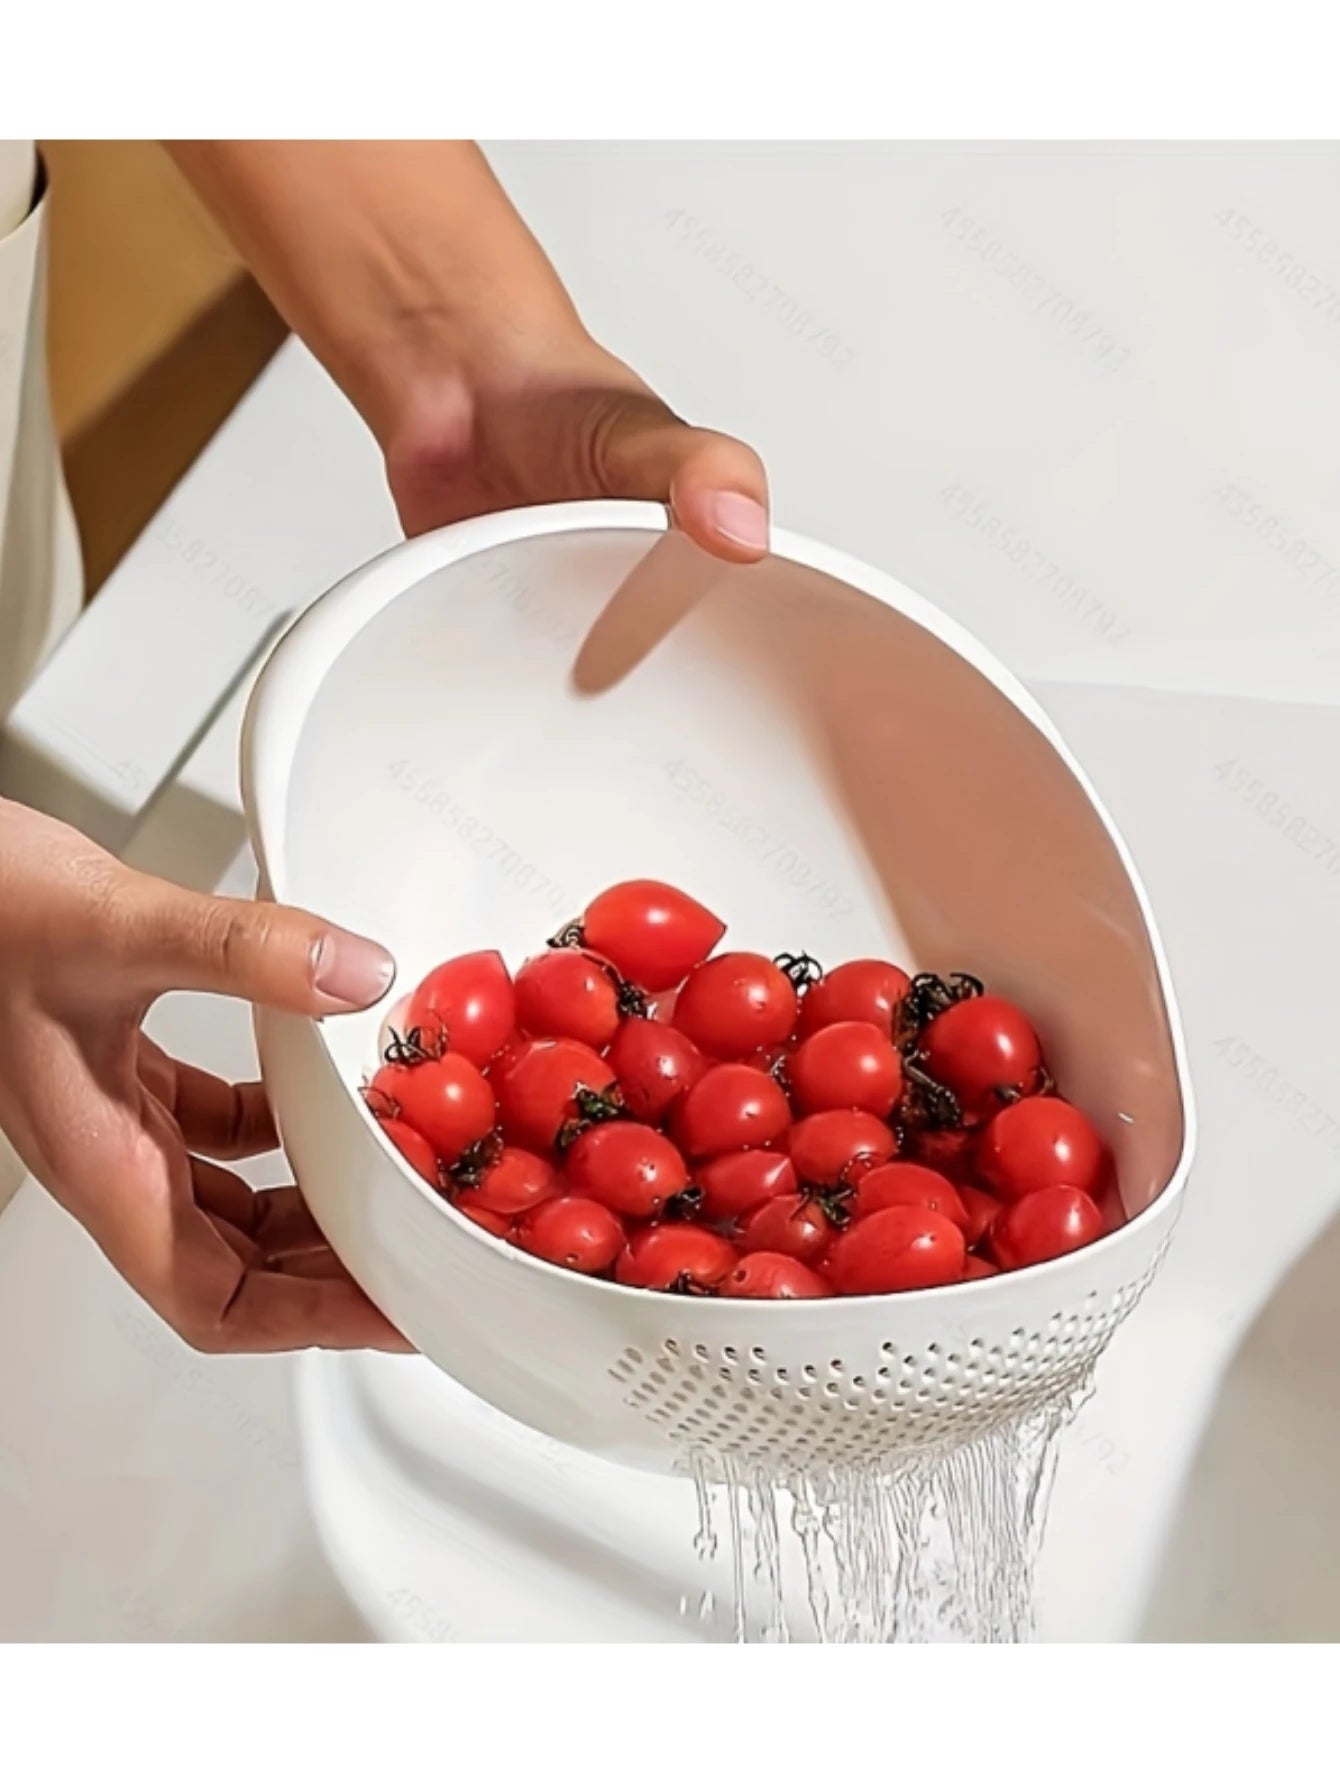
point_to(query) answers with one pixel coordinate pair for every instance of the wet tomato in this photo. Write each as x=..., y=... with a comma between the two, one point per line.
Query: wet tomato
x=412, y=1147
x=979, y=1048
x=1042, y=1225
x=979, y=1267
x=473, y=997
x=538, y=1091
x=901, y=1184
x=1037, y=1143
x=793, y=1225
x=855, y=992
x=981, y=1209
x=900, y=1248
x=513, y=1183
x=734, y=1183
x=631, y=1168
x=838, y=1146
x=736, y=1003
x=571, y=993
x=654, y=1064
x=446, y=1100
x=689, y=1260
x=732, y=1106
x=946, y=1150
x=845, y=1066
x=574, y=1231
x=653, y=933
x=772, y=1276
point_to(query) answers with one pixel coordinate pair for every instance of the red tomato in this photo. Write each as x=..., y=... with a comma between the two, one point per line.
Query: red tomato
x=474, y=997
x=839, y=1146
x=568, y=992
x=855, y=992
x=1037, y=1143
x=1044, y=1224
x=731, y=1106
x=979, y=1267
x=903, y=1248
x=734, y=1183
x=793, y=1225
x=846, y=1066
x=979, y=1047
x=655, y=1064
x=574, y=1231
x=946, y=1150
x=537, y=1094
x=413, y=1148
x=981, y=1209
x=492, y=1223
x=903, y=1185
x=773, y=1276
x=653, y=933
x=736, y=1003
x=447, y=1100
x=515, y=1182
x=689, y=1260
x=627, y=1166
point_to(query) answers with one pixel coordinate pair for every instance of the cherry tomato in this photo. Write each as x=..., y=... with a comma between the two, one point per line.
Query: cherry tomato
x=793, y=1225
x=655, y=1064
x=574, y=1231
x=1037, y=1143
x=687, y=1259
x=732, y=1106
x=653, y=933
x=735, y=1003
x=515, y=1182
x=538, y=1092
x=981, y=1210
x=773, y=1276
x=413, y=1148
x=846, y=1066
x=946, y=1150
x=447, y=1100
x=855, y=992
x=1044, y=1224
x=492, y=1223
x=900, y=1184
x=902, y=1248
x=568, y=992
x=979, y=1267
x=838, y=1146
x=734, y=1183
x=474, y=997
x=979, y=1047
x=629, y=1167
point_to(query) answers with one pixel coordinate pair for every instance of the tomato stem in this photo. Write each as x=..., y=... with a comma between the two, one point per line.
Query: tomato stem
x=411, y=1049
x=592, y=1107
x=801, y=969
x=570, y=936
x=683, y=1205
x=469, y=1169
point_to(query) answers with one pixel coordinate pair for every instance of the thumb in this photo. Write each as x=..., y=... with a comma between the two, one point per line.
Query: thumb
x=271, y=954
x=716, y=487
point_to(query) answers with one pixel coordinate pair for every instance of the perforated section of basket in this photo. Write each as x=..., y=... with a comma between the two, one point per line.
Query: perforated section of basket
x=740, y=1402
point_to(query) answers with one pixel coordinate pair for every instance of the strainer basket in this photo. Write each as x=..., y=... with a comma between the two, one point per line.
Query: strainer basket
x=464, y=740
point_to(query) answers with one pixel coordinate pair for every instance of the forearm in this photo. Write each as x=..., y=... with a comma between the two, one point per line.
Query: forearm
x=396, y=262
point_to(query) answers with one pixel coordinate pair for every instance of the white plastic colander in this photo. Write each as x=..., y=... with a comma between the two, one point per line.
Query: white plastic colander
x=461, y=743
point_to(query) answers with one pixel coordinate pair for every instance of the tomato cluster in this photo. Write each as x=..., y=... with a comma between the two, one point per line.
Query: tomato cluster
x=633, y=1105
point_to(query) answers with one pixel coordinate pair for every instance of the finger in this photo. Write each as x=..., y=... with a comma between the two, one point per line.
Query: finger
x=223, y=1120
x=716, y=487
x=323, y=1263
x=277, y=1222
x=175, y=939
x=274, y=1311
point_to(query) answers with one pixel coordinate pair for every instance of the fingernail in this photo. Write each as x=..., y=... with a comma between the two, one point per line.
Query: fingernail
x=350, y=970
x=739, y=519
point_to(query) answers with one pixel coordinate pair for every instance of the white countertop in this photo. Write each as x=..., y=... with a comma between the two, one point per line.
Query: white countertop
x=1174, y=469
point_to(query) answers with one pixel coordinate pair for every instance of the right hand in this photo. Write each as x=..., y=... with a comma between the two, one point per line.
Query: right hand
x=128, y=1139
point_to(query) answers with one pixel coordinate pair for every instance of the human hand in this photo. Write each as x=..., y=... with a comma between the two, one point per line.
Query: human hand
x=129, y=1140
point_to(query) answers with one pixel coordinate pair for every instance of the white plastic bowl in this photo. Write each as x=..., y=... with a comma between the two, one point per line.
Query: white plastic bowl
x=463, y=741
